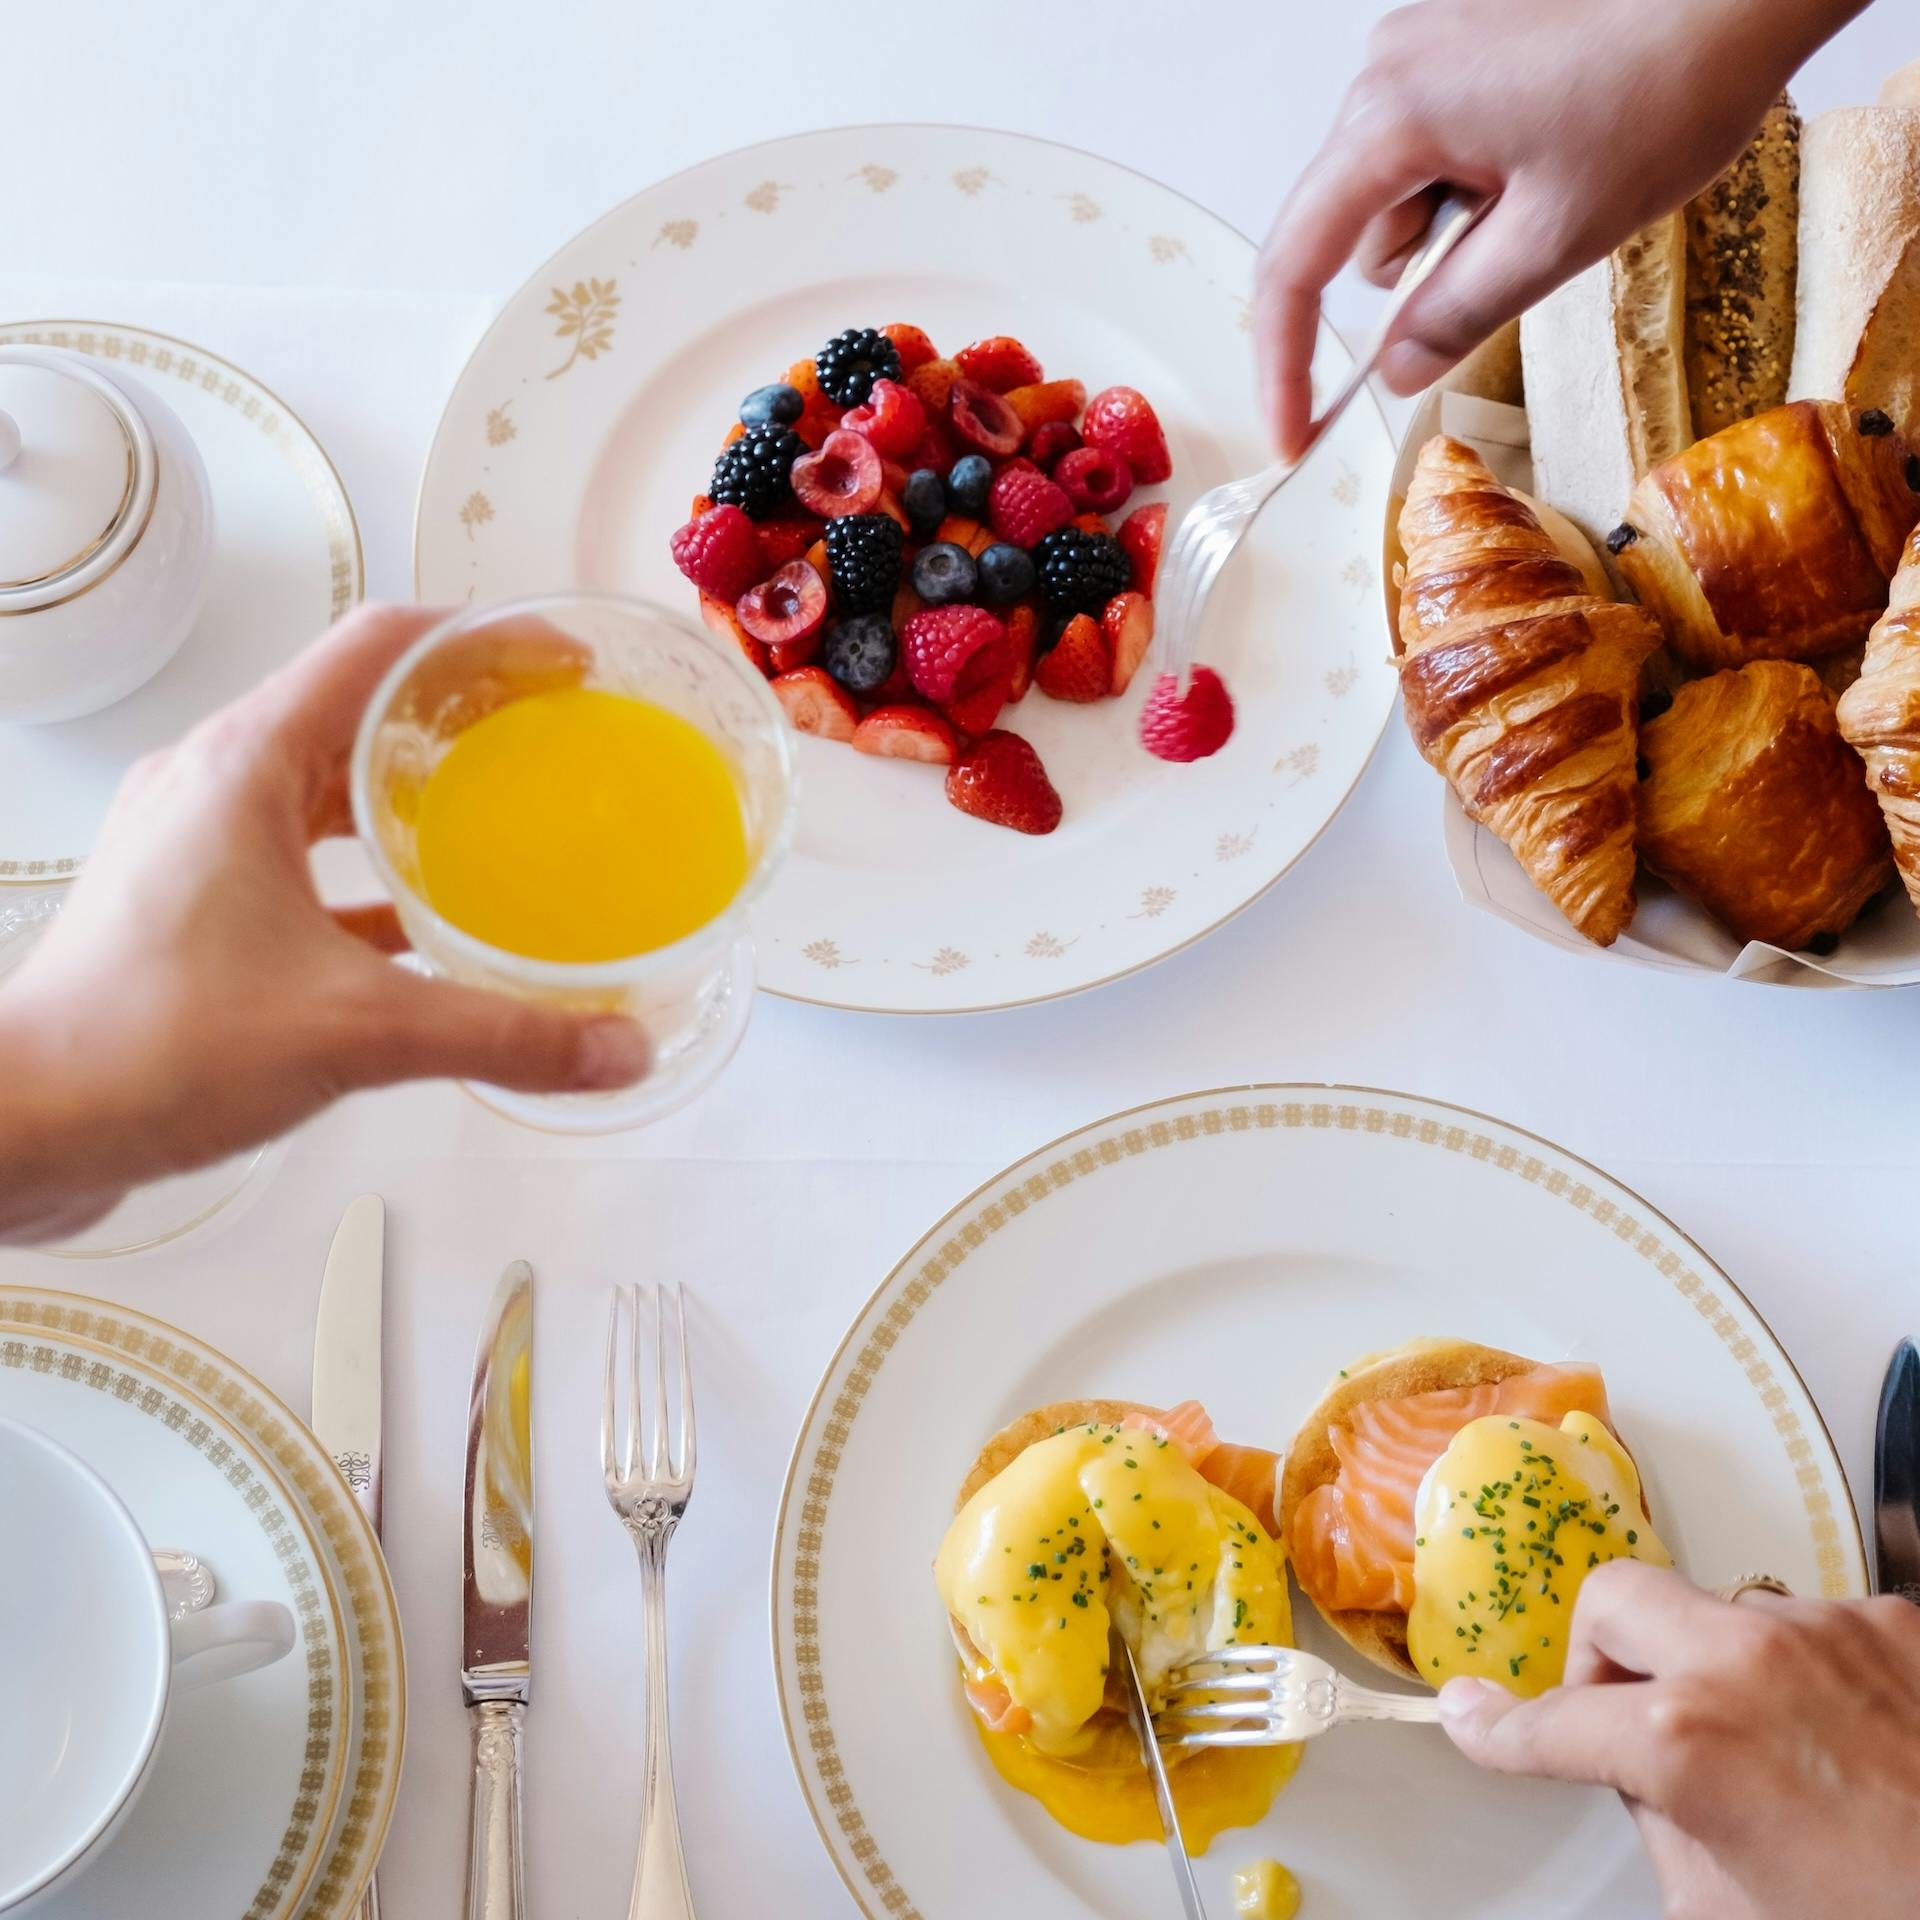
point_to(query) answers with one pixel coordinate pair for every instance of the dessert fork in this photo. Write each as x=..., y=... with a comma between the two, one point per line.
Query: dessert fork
x=1269, y=1697
x=1206, y=537
x=649, y=1495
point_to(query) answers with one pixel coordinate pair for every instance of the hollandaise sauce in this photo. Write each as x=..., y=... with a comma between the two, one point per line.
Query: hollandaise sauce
x=1094, y=1526
x=1509, y=1522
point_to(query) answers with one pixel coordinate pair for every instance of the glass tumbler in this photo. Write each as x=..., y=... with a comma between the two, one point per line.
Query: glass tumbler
x=692, y=997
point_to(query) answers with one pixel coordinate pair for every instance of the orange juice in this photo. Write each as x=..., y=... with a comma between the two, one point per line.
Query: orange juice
x=580, y=825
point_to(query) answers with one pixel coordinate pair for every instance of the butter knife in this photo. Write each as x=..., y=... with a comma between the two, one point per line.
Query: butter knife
x=1142, y=1718
x=346, y=1372
x=497, y=1593
x=1896, y=1476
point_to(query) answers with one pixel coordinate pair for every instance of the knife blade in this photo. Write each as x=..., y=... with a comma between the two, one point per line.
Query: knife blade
x=1142, y=1717
x=497, y=1593
x=1896, y=1476
x=346, y=1372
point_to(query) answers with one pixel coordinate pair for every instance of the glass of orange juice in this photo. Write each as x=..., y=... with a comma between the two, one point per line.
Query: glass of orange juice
x=578, y=799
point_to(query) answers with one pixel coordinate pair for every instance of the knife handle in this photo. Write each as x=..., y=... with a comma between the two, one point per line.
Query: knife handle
x=496, y=1888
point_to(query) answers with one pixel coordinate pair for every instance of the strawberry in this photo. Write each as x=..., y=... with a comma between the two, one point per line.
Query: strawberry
x=1048, y=441
x=1123, y=421
x=975, y=707
x=940, y=643
x=932, y=383
x=912, y=345
x=1000, y=364
x=1140, y=534
x=1078, y=667
x=786, y=538
x=1127, y=623
x=785, y=655
x=719, y=553
x=908, y=733
x=892, y=420
x=1190, y=725
x=719, y=615
x=819, y=416
x=1051, y=400
x=1025, y=506
x=1000, y=779
x=1095, y=477
x=816, y=703
x=1023, y=629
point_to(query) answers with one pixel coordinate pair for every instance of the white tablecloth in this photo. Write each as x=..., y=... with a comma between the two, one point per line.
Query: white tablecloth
x=338, y=198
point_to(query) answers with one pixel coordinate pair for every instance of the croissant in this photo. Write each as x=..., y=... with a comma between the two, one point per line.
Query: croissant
x=1774, y=539
x=1521, y=686
x=1880, y=716
x=1753, y=805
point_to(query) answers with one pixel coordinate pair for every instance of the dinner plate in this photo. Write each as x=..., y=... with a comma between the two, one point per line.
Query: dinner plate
x=1240, y=1246
x=286, y=562
x=271, y=1794
x=590, y=413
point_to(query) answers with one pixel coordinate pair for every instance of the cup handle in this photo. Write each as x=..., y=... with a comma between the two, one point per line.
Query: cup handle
x=219, y=1643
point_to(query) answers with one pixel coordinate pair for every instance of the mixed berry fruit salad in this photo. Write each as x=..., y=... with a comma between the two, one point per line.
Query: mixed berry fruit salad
x=907, y=545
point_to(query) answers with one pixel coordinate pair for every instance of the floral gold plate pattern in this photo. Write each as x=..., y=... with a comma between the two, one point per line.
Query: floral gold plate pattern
x=285, y=1781
x=590, y=414
x=1240, y=1245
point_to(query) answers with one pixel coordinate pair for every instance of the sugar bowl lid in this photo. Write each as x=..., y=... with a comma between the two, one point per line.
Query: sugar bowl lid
x=77, y=477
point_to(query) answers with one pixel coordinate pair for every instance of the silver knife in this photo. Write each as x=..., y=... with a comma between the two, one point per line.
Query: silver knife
x=346, y=1372
x=1896, y=1476
x=497, y=1593
x=1142, y=1718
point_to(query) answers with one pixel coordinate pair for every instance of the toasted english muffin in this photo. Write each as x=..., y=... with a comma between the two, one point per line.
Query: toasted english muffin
x=1017, y=1436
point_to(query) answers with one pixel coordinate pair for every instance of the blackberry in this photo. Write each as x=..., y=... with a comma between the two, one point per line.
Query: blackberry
x=1080, y=572
x=863, y=561
x=851, y=362
x=754, y=472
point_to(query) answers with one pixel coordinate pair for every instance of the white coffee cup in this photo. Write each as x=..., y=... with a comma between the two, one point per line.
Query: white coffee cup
x=90, y=1662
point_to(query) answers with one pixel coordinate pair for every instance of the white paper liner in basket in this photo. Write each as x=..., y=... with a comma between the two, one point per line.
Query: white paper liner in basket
x=1669, y=934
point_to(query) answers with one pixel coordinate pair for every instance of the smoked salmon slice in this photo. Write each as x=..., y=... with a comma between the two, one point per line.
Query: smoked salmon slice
x=1248, y=1473
x=1352, y=1538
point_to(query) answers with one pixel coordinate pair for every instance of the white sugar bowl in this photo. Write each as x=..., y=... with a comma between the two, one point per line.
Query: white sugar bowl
x=106, y=529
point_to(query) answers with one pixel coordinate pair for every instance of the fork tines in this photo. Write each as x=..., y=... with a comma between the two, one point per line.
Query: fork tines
x=622, y=1460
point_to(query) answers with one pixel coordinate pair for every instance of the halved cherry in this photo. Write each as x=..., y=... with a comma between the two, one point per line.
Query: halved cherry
x=789, y=608
x=982, y=419
x=845, y=476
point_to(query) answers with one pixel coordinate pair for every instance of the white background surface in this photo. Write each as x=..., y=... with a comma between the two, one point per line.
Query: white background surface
x=337, y=198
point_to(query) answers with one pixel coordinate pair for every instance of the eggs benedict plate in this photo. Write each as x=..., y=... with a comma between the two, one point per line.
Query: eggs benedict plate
x=959, y=1749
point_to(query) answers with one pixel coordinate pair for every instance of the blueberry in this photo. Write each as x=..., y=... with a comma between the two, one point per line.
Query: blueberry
x=1006, y=574
x=925, y=499
x=776, y=406
x=967, y=484
x=943, y=574
x=860, y=652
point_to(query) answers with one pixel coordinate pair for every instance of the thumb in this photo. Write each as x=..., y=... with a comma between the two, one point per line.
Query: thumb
x=424, y=1029
x=1598, y=1736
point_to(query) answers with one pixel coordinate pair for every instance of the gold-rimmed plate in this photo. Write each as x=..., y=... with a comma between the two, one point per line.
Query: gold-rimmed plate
x=271, y=1796
x=1240, y=1246
x=590, y=413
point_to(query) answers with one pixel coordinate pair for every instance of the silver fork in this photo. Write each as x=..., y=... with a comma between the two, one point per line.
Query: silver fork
x=1271, y=1696
x=1213, y=526
x=649, y=1496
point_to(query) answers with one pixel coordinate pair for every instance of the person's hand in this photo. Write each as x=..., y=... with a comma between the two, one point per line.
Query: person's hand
x=1769, y=1750
x=1587, y=118
x=194, y=997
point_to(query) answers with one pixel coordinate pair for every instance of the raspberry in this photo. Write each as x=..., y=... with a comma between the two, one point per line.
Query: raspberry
x=1000, y=364
x=1000, y=779
x=719, y=553
x=1049, y=441
x=940, y=642
x=1123, y=421
x=851, y=362
x=1095, y=477
x=892, y=421
x=1190, y=725
x=1025, y=506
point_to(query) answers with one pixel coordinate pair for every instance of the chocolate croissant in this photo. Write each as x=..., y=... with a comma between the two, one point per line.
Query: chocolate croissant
x=1521, y=686
x=1880, y=716
x=1774, y=539
x=1753, y=805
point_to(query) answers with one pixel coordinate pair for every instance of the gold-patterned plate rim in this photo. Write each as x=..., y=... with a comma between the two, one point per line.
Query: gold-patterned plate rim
x=310, y=1477
x=202, y=1426
x=1256, y=1106
x=542, y=277
x=142, y=350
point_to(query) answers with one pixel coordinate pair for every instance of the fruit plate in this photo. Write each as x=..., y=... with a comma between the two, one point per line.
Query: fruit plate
x=589, y=415
x=1239, y=1246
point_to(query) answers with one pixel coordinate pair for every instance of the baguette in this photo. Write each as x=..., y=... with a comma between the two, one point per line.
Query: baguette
x=1858, y=337
x=1743, y=242
x=1605, y=367
x=1492, y=370
x=1901, y=88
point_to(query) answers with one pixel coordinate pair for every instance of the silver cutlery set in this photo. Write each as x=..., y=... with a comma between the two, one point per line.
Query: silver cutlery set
x=649, y=1481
